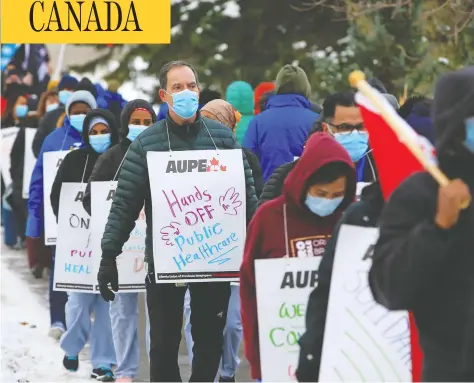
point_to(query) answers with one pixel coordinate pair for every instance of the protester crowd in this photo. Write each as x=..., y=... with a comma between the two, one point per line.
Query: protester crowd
x=307, y=171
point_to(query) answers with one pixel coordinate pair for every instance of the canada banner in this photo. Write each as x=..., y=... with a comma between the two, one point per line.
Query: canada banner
x=395, y=162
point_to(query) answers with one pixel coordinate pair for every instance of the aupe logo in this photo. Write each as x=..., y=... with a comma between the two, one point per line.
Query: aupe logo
x=200, y=166
x=86, y=21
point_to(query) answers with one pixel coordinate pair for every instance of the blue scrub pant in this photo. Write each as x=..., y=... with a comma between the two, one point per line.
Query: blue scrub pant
x=81, y=328
x=124, y=320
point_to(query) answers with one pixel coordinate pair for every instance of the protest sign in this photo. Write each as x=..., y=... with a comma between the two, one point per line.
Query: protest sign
x=283, y=287
x=130, y=264
x=29, y=160
x=51, y=163
x=199, y=214
x=363, y=341
x=8, y=136
x=74, y=260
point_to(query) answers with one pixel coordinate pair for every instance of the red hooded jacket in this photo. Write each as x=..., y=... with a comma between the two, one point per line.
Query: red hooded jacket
x=307, y=232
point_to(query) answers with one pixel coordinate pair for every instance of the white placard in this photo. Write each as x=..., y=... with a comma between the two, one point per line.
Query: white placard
x=29, y=160
x=363, y=341
x=8, y=136
x=74, y=266
x=198, y=200
x=283, y=287
x=51, y=163
x=130, y=264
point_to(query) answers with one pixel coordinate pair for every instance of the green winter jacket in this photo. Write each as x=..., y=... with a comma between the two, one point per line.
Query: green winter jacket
x=133, y=189
x=240, y=95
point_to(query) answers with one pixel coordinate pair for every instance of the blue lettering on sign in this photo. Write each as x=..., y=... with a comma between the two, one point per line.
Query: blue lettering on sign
x=212, y=252
x=76, y=269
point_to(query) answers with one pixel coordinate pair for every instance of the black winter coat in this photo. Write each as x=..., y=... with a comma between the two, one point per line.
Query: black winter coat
x=108, y=165
x=254, y=164
x=77, y=165
x=46, y=125
x=365, y=213
x=422, y=268
x=274, y=185
x=17, y=160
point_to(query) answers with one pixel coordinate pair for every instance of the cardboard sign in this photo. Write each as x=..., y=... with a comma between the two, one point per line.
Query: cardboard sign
x=130, y=264
x=363, y=341
x=51, y=163
x=8, y=136
x=74, y=266
x=29, y=161
x=283, y=287
x=199, y=214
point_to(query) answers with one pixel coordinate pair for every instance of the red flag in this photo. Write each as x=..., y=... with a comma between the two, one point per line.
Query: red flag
x=395, y=162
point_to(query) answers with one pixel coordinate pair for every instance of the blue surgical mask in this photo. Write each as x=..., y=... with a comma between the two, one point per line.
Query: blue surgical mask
x=356, y=143
x=469, y=142
x=100, y=142
x=134, y=131
x=322, y=206
x=77, y=120
x=21, y=111
x=185, y=103
x=64, y=96
x=51, y=107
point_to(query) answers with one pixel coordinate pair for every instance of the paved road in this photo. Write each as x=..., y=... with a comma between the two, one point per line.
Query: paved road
x=17, y=262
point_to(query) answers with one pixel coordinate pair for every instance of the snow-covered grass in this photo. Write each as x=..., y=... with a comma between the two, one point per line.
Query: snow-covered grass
x=28, y=353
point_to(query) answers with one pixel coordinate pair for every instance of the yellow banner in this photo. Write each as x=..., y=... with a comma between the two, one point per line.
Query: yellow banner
x=86, y=21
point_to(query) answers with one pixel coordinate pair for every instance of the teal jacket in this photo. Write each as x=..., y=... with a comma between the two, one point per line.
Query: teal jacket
x=133, y=189
x=240, y=95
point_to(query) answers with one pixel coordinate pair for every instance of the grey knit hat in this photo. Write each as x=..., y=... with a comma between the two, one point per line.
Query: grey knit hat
x=392, y=100
x=81, y=96
x=292, y=79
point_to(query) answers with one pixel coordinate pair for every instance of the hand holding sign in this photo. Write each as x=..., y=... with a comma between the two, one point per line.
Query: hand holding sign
x=230, y=202
x=169, y=231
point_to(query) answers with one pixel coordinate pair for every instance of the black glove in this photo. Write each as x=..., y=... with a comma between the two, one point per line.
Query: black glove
x=108, y=273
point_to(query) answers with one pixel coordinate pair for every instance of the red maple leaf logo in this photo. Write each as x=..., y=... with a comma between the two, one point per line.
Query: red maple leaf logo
x=223, y=168
x=208, y=169
x=214, y=162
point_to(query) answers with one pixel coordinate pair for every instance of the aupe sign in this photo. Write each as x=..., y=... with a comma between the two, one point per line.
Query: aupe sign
x=86, y=21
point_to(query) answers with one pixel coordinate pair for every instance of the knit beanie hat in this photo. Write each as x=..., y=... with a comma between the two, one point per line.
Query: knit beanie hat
x=113, y=85
x=292, y=79
x=260, y=90
x=86, y=84
x=68, y=82
x=81, y=96
x=392, y=100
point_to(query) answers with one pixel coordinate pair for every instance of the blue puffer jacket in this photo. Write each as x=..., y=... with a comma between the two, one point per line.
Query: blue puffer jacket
x=63, y=138
x=277, y=135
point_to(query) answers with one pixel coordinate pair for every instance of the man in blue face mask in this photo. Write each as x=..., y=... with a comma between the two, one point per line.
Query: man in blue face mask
x=183, y=129
x=342, y=119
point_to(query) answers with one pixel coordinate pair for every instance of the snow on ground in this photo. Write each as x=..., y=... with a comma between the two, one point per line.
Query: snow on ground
x=28, y=353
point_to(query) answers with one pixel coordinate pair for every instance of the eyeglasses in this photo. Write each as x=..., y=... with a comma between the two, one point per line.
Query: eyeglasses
x=347, y=128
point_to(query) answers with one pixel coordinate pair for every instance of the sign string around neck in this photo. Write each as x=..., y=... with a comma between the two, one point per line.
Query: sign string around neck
x=84, y=172
x=208, y=132
x=285, y=223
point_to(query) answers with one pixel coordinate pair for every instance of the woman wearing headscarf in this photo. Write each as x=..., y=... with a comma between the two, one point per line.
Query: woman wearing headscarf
x=137, y=115
x=99, y=132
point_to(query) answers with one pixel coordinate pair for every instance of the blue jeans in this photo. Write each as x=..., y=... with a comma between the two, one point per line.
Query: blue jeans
x=232, y=334
x=57, y=299
x=80, y=329
x=124, y=320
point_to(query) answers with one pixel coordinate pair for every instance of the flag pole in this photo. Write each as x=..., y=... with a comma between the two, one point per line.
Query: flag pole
x=59, y=64
x=357, y=80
